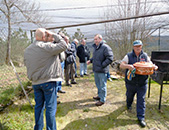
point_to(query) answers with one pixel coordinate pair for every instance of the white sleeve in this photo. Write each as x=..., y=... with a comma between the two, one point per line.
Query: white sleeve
x=125, y=59
x=148, y=59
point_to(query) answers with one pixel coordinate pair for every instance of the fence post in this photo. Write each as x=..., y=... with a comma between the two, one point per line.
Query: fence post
x=20, y=82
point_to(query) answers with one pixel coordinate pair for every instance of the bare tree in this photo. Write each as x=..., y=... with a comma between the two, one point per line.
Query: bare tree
x=15, y=12
x=123, y=33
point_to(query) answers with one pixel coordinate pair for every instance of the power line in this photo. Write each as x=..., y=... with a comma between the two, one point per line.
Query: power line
x=74, y=17
x=107, y=21
x=87, y=7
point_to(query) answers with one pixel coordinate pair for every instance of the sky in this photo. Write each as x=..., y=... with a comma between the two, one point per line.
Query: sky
x=69, y=13
x=66, y=15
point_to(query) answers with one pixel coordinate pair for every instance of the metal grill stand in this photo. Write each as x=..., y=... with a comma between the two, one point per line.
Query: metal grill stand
x=160, y=78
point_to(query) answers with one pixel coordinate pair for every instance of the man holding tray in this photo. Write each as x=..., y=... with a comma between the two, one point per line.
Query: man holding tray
x=136, y=84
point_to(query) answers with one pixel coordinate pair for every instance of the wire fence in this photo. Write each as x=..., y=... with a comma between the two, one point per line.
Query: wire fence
x=12, y=77
x=13, y=82
x=20, y=39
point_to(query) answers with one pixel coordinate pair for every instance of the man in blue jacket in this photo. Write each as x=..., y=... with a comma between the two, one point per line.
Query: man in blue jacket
x=102, y=57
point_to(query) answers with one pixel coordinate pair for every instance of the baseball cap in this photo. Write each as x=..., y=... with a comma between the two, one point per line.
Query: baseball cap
x=137, y=43
x=75, y=40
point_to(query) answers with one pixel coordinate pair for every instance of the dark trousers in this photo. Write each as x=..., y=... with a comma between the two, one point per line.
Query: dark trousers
x=69, y=69
x=140, y=90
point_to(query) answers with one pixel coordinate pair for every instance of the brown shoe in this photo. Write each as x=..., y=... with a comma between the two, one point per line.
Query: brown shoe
x=61, y=91
x=99, y=103
x=58, y=102
x=96, y=98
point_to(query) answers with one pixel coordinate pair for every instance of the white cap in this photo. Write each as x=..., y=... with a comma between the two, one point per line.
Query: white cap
x=75, y=40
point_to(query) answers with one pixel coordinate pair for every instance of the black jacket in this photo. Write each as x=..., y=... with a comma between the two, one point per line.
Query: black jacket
x=82, y=52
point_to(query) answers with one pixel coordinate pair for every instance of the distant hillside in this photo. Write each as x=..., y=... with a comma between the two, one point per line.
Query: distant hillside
x=89, y=44
x=150, y=45
x=154, y=42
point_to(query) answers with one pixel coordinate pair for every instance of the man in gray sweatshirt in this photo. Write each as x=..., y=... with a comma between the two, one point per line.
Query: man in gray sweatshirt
x=44, y=70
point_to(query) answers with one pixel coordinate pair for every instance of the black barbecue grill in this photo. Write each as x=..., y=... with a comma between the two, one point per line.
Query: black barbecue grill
x=161, y=76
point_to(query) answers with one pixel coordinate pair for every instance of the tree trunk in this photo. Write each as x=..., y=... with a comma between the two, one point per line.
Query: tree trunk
x=8, y=53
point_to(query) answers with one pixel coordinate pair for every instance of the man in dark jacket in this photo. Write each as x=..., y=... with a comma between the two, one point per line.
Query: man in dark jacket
x=84, y=54
x=102, y=57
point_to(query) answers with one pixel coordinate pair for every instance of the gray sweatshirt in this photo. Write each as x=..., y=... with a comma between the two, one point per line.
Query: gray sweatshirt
x=42, y=60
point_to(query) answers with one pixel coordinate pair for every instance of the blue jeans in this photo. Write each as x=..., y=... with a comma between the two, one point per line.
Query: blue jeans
x=75, y=68
x=140, y=90
x=83, y=68
x=45, y=97
x=108, y=74
x=101, y=84
x=59, y=83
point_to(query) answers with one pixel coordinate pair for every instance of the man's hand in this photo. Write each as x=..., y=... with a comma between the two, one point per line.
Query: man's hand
x=131, y=67
x=48, y=33
x=124, y=65
x=155, y=67
x=88, y=62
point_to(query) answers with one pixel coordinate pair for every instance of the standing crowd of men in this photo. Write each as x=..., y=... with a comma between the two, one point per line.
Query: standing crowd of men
x=52, y=58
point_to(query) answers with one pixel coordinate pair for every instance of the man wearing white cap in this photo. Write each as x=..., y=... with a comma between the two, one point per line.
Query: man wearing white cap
x=74, y=47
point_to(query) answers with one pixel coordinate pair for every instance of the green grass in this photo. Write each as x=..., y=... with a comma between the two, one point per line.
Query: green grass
x=77, y=110
x=7, y=95
x=11, y=93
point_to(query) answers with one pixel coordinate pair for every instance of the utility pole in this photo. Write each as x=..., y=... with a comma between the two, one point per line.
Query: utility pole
x=159, y=39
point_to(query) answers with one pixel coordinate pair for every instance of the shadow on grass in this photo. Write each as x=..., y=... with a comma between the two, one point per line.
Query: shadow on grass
x=21, y=106
x=2, y=126
x=153, y=111
x=64, y=108
x=113, y=121
x=101, y=122
x=8, y=96
x=18, y=108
